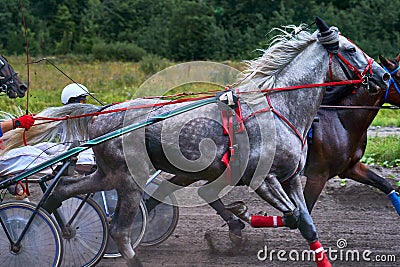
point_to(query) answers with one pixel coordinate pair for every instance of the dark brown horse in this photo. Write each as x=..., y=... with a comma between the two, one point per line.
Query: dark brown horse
x=340, y=138
x=10, y=83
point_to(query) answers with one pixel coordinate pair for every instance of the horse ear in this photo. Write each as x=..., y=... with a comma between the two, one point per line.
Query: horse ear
x=381, y=58
x=328, y=36
x=398, y=58
x=323, y=28
x=384, y=60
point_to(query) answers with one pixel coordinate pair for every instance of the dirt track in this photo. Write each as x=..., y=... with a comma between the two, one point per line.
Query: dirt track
x=356, y=214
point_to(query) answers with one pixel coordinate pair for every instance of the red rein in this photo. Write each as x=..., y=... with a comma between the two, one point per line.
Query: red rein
x=360, y=75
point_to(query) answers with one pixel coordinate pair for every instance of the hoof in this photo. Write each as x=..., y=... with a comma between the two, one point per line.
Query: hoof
x=134, y=262
x=239, y=209
x=236, y=226
x=237, y=241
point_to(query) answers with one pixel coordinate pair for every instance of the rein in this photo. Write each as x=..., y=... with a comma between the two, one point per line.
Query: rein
x=27, y=58
x=363, y=79
x=50, y=119
x=358, y=107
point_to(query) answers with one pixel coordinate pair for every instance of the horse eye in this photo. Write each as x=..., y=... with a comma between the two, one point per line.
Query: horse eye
x=351, y=49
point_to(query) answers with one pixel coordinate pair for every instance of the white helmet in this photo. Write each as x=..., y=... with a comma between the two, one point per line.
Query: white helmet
x=73, y=90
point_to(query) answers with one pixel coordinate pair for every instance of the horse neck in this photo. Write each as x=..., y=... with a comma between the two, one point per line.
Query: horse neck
x=306, y=65
x=301, y=106
x=393, y=97
x=362, y=117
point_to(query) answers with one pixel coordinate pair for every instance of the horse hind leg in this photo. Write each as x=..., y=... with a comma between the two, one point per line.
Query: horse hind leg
x=209, y=192
x=210, y=195
x=121, y=226
x=71, y=186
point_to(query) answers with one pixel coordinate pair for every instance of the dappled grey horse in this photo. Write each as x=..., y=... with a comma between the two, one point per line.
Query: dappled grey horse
x=191, y=145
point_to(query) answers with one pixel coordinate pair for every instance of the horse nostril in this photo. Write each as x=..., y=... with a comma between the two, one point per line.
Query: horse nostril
x=386, y=77
x=23, y=87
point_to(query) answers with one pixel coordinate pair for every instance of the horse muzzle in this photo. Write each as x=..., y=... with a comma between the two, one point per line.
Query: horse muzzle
x=375, y=86
x=13, y=90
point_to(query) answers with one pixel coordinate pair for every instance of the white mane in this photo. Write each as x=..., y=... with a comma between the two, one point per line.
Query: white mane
x=282, y=49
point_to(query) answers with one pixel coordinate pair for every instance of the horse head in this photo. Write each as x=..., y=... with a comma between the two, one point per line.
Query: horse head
x=10, y=83
x=351, y=60
x=392, y=94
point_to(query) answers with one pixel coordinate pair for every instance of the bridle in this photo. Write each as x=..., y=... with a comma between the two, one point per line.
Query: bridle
x=6, y=82
x=392, y=81
x=364, y=76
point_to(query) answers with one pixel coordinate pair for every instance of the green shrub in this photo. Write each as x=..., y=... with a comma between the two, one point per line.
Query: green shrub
x=123, y=51
x=151, y=64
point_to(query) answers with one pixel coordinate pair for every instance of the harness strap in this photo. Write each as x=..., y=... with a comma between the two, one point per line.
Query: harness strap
x=232, y=123
x=283, y=118
x=48, y=119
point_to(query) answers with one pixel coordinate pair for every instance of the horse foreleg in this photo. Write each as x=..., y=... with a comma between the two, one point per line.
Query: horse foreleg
x=361, y=173
x=209, y=192
x=313, y=188
x=271, y=191
x=305, y=222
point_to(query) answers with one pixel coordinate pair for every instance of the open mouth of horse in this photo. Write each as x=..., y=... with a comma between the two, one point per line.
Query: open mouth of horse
x=17, y=92
x=374, y=87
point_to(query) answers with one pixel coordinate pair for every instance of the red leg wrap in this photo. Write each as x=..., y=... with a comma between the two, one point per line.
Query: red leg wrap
x=320, y=256
x=266, y=221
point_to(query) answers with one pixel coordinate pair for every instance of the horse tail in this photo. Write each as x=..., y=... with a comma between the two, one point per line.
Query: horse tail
x=45, y=129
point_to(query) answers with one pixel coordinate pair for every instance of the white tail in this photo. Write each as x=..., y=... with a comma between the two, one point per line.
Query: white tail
x=62, y=131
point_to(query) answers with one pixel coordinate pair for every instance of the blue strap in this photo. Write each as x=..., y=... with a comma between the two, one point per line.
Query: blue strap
x=395, y=70
x=394, y=198
x=310, y=135
x=391, y=81
x=387, y=90
x=1, y=131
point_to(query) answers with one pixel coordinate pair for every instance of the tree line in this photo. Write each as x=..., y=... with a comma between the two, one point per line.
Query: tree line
x=183, y=30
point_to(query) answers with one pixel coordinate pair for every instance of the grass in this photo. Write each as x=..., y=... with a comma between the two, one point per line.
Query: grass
x=383, y=151
x=109, y=81
x=387, y=118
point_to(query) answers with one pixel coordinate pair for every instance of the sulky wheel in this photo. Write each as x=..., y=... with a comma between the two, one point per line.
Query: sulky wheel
x=84, y=229
x=41, y=244
x=161, y=220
